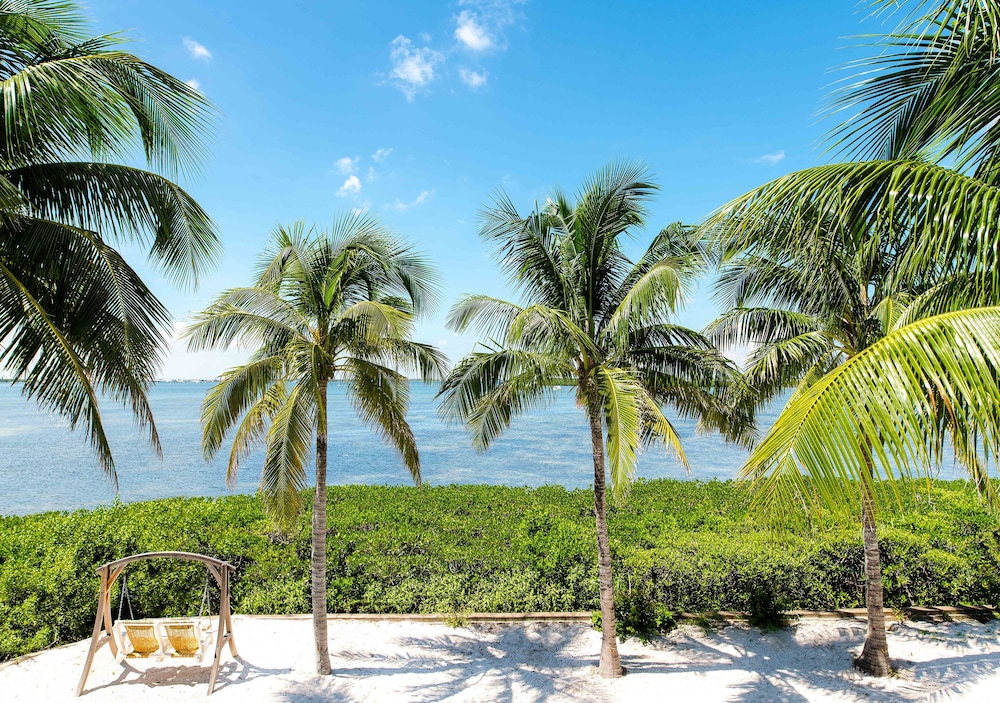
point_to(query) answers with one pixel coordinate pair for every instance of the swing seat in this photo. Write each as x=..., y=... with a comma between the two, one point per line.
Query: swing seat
x=142, y=636
x=183, y=637
x=170, y=637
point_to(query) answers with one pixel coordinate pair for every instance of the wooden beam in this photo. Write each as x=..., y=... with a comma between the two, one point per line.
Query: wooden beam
x=95, y=639
x=189, y=556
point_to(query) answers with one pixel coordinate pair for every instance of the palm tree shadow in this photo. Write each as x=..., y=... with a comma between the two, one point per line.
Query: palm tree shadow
x=785, y=669
x=539, y=663
x=508, y=663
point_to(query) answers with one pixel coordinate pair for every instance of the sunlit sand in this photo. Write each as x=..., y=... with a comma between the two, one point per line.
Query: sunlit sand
x=422, y=661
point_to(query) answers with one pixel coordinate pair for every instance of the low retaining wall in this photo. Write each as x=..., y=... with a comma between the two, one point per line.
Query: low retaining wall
x=935, y=613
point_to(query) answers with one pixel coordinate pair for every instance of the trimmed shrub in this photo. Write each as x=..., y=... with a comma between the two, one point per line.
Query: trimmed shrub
x=677, y=546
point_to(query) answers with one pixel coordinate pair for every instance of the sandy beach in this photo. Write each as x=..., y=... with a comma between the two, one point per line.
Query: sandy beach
x=420, y=661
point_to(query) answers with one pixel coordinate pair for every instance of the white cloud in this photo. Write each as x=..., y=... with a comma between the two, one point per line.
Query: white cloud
x=771, y=159
x=193, y=83
x=346, y=164
x=422, y=198
x=197, y=51
x=371, y=173
x=473, y=79
x=352, y=186
x=412, y=68
x=381, y=154
x=442, y=342
x=471, y=32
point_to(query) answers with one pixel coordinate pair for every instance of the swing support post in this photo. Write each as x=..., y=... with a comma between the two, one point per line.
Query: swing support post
x=104, y=626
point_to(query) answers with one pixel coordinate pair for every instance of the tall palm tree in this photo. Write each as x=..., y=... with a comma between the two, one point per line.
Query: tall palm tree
x=76, y=321
x=594, y=320
x=919, y=237
x=324, y=306
x=805, y=307
x=886, y=412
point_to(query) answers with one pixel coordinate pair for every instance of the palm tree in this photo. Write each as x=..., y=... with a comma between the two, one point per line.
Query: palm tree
x=885, y=412
x=594, y=320
x=841, y=259
x=807, y=306
x=76, y=321
x=337, y=305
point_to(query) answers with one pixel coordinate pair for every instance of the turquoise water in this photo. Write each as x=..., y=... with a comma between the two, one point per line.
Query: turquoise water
x=45, y=466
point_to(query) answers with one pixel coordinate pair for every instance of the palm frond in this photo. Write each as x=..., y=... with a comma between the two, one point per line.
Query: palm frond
x=956, y=292
x=752, y=326
x=243, y=389
x=125, y=204
x=931, y=89
x=947, y=217
x=630, y=417
x=57, y=378
x=777, y=365
x=381, y=398
x=287, y=448
x=246, y=317
x=528, y=249
x=888, y=395
x=89, y=98
x=489, y=316
x=487, y=389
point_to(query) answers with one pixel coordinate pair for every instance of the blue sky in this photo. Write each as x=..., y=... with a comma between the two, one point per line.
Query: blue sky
x=420, y=110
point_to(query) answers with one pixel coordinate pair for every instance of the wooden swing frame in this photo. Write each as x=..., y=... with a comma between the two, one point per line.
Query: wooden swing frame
x=103, y=623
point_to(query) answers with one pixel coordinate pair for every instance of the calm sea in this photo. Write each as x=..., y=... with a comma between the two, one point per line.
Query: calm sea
x=45, y=466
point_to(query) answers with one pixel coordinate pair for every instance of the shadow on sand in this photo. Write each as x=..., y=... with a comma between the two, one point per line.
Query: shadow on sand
x=540, y=663
x=231, y=673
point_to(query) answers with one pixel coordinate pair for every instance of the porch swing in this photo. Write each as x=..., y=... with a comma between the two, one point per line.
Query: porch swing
x=173, y=637
x=166, y=637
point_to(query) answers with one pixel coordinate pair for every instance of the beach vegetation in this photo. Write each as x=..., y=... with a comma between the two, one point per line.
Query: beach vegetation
x=863, y=285
x=338, y=304
x=591, y=319
x=677, y=547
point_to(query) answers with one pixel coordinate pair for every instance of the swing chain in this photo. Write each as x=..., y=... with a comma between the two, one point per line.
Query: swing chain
x=204, y=595
x=125, y=596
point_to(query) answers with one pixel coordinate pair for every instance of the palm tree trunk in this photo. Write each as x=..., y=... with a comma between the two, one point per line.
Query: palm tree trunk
x=610, y=664
x=319, y=544
x=874, y=657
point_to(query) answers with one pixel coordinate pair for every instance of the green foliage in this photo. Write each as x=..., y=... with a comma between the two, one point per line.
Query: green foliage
x=78, y=323
x=325, y=305
x=677, y=546
x=637, y=612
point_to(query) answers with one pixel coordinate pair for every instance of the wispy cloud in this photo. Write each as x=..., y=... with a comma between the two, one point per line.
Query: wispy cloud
x=471, y=32
x=479, y=28
x=381, y=154
x=371, y=173
x=346, y=164
x=197, y=51
x=193, y=83
x=351, y=186
x=771, y=159
x=422, y=198
x=473, y=79
x=413, y=68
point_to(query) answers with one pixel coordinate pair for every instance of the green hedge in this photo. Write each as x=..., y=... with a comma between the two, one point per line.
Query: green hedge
x=677, y=546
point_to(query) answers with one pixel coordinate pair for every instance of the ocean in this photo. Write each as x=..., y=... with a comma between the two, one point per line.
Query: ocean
x=45, y=466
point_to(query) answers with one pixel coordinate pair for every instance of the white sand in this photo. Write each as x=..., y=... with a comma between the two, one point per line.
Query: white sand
x=413, y=661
